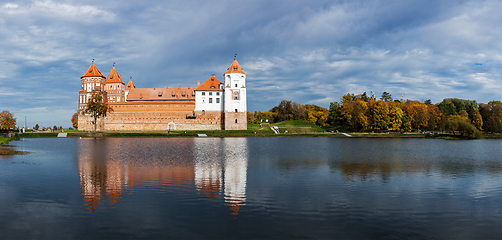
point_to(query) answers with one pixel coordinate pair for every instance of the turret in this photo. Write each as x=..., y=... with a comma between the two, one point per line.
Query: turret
x=235, y=109
x=92, y=81
x=114, y=87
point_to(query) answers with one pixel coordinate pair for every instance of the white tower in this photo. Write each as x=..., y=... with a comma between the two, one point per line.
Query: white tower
x=235, y=109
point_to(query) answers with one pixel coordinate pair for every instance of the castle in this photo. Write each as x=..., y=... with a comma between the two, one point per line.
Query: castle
x=212, y=105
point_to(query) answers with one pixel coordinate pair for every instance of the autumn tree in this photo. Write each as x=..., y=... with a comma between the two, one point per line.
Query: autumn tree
x=477, y=120
x=250, y=118
x=434, y=118
x=491, y=114
x=316, y=114
x=7, y=120
x=297, y=111
x=283, y=111
x=378, y=115
x=74, y=120
x=420, y=117
x=96, y=108
x=395, y=116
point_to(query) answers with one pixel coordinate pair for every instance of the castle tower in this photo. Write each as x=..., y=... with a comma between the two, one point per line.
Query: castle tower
x=114, y=87
x=92, y=81
x=235, y=109
x=128, y=87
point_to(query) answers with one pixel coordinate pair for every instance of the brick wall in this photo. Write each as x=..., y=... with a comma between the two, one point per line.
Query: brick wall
x=231, y=117
x=155, y=116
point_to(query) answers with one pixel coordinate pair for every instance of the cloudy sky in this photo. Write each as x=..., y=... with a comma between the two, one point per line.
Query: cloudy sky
x=311, y=52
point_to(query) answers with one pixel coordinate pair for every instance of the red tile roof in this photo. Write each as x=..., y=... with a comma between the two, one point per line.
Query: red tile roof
x=93, y=71
x=161, y=94
x=211, y=84
x=130, y=85
x=114, y=77
x=235, y=68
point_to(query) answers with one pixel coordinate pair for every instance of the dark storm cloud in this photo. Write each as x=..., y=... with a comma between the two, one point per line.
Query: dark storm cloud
x=310, y=52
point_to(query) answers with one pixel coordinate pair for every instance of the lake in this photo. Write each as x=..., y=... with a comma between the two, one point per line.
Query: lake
x=249, y=188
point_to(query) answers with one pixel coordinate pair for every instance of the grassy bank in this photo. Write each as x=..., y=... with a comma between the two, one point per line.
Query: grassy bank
x=289, y=128
x=8, y=149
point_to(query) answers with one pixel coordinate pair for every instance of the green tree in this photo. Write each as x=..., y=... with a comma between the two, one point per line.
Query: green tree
x=457, y=123
x=7, y=120
x=333, y=113
x=447, y=108
x=96, y=108
x=347, y=98
x=36, y=127
x=386, y=97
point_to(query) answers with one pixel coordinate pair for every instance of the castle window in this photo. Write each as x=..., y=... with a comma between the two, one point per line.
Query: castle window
x=203, y=93
x=217, y=100
x=173, y=95
x=235, y=85
x=235, y=120
x=217, y=94
x=235, y=110
x=203, y=112
x=210, y=93
x=210, y=100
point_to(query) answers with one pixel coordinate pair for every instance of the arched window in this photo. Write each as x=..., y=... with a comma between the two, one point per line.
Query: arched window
x=203, y=112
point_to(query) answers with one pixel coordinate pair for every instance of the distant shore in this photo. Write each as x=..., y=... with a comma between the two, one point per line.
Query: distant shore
x=241, y=133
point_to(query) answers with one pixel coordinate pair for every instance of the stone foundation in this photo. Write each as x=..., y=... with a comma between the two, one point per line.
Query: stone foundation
x=236, y=121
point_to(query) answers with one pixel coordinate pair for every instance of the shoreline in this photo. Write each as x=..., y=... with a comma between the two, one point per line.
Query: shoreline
x=240, y=133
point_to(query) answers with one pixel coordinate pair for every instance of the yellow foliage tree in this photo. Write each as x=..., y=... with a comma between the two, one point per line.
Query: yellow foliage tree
x=477, y=120
x=420, y=118
x=7, y=120
x=395, y=117
x=378, y=113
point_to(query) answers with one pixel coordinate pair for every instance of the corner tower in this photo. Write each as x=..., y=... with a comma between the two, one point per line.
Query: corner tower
x=114, y=87
x=92, y=81
x=235, y=107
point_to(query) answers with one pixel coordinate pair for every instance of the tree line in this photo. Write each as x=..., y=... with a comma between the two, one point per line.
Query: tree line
x=366, y=113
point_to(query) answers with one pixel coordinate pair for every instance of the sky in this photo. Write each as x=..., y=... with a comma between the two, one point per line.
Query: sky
x=312, y=52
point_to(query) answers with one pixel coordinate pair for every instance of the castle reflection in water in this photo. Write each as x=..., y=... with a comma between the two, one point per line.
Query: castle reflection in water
x=109, y=167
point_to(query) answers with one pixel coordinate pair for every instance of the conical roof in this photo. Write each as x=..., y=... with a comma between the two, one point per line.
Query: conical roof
x=235, y=68
x=130, y=85
x=93, y=71
x=114, y=77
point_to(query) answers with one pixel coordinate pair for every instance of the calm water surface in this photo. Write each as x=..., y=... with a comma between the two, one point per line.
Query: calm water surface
x=234, y=188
